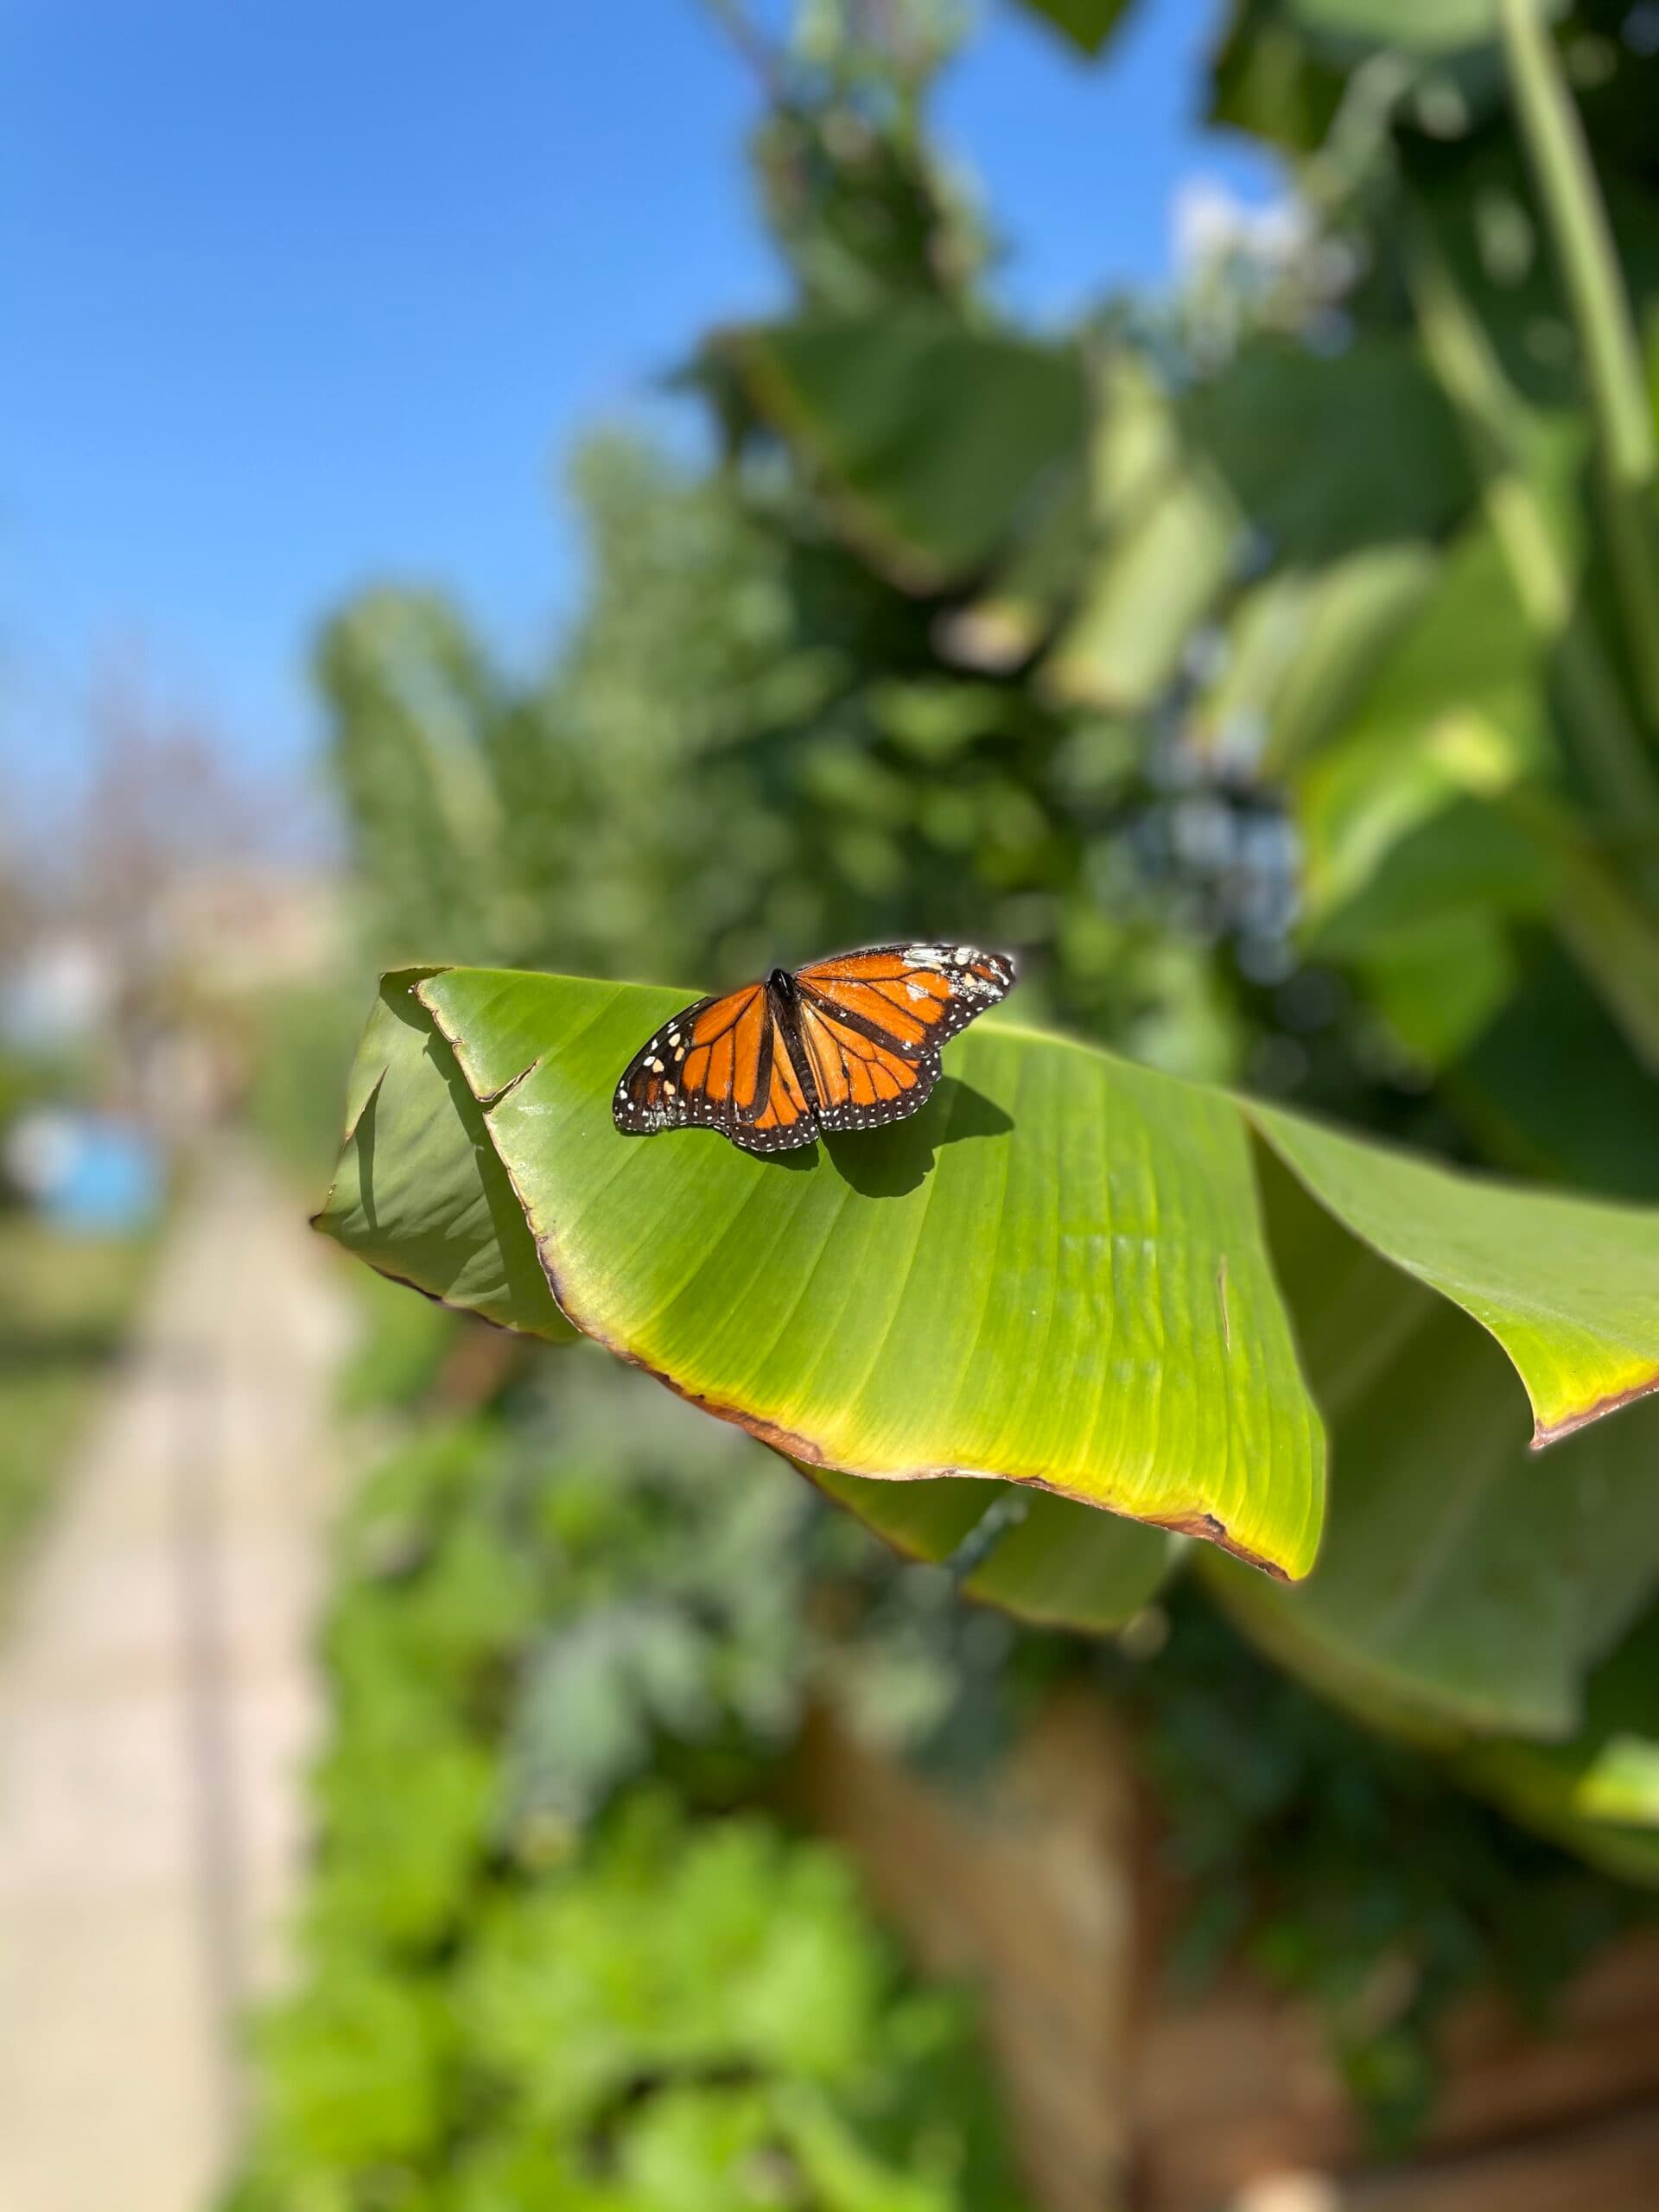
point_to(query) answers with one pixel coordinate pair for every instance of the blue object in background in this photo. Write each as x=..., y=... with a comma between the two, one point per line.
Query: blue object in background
x=90, y=1174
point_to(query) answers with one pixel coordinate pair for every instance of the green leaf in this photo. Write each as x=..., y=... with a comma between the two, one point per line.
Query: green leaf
x=1416, y=26
x=1305, y=644
x=1025, y=1280
x=1284, y=66
x=1438, y=804
x=1278, y=426
x=429, y=1204
x=1173, y=533
x=1044, y=1558
x=990, y=1286
x=1144, y=596
x=412, y=703
x=1411, y=852
x=1469, y=649
x=1087, y=23
x=1267, y=79
x=1179, y=485
x=925, y=1521
x=1595, y=285
x=672, y=1951
x=1465, y=1584
x=1569, y=1287
x=1523, y=1085
x=1598, y=1793
x=1054, y=1275
x=330, y=2107
x=933, y=442
x=1028, y=593
x=1067, y=1567
x=1439, y=983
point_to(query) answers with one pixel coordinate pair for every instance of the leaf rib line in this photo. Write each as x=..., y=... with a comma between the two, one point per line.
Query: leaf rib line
x=810, y=1276
x=895, y=1303
x=709, y=1256
x=995, y=1246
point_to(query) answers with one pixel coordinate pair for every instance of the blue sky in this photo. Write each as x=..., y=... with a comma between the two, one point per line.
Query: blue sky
x=303, y=293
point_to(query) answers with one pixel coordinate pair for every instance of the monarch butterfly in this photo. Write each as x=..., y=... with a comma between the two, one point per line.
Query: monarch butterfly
x=846, y=1043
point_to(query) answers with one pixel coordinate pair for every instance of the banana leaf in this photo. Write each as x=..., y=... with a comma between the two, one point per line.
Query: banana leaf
x=1058, y=1276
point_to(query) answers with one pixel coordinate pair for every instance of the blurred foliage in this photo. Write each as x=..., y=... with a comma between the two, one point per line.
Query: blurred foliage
x=532, y=1976
x=748, y=750
x=31, y=1077
x=1270, y=665
x=1259, y=738
x=789, y=715
x=586, y=1592
x=298, y=1036
x=401, y=1348
x=1284, y=1832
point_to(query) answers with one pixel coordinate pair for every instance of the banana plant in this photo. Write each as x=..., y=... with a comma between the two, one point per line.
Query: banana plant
x=1079, y=1326
x=1074, y=1320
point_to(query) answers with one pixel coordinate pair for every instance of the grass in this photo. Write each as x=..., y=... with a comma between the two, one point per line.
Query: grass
x=65, y=1304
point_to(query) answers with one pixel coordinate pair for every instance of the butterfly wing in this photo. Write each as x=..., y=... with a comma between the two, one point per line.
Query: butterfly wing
x=872, y=1024
x=909, y=996
x=782, y=1116
x=721, y=1064
x=859, y=1082
x=868, y=1025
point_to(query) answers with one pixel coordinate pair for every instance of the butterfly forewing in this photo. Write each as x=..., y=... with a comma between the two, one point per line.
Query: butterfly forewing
x=911, y=998
x=685, y=1076
x=721, y=1064
x=855, y=1045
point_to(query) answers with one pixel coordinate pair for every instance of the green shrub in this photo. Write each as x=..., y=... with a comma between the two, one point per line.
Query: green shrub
x=685, y=2012
x=535, y=1978
x=294, y=1040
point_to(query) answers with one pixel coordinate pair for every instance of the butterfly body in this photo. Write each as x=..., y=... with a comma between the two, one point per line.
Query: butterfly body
x=846, y=1043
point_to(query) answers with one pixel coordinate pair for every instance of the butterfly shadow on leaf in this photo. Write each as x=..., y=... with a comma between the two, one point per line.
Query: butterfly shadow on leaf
x=886, y=1163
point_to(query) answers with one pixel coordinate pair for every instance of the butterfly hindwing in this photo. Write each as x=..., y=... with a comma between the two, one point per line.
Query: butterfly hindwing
x=861, y=1083
x=782, y=1116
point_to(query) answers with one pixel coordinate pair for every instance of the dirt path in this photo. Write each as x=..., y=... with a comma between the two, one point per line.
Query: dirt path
x=154, y=1710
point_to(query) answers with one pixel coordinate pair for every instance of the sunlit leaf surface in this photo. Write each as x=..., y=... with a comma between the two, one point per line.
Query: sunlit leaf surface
x=1056, y=1276
x=1568, y=1287
x=1054, y=1273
